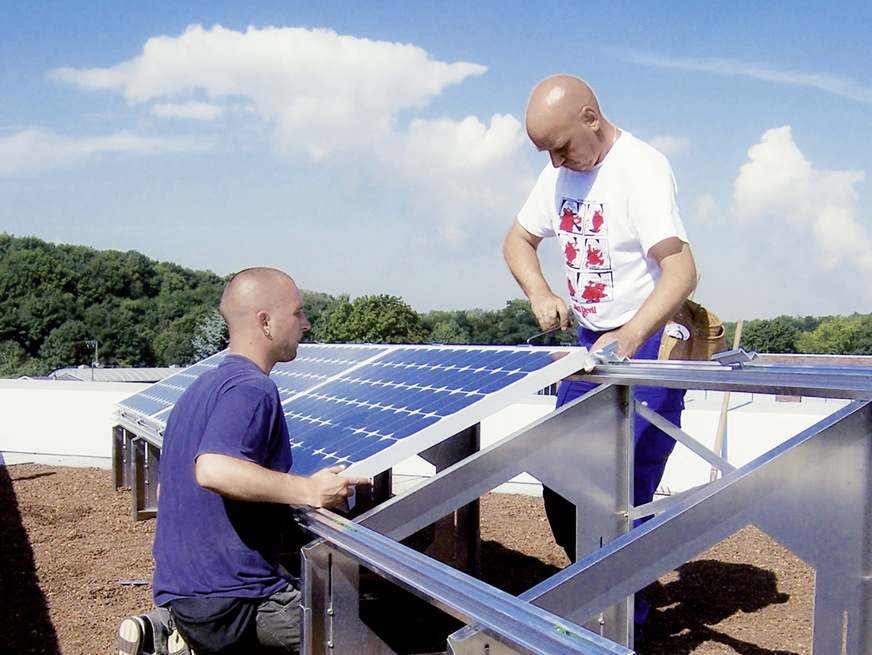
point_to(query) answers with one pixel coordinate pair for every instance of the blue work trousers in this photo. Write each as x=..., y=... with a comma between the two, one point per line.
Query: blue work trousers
x=652, y=446
x=652, y=449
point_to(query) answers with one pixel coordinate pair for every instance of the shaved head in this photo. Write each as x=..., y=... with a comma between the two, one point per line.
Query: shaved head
x=250, y=291
x=264, y=313
x=559, y=94
x=563, y=109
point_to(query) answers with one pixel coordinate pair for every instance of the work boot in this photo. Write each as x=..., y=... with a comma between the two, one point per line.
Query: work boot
x=132, y=635
x=176, y=645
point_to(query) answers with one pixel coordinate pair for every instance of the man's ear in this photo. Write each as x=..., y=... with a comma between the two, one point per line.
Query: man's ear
x=590, y=116
x=263, y=322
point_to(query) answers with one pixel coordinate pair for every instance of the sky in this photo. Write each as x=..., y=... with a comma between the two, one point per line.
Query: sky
x=379, y=147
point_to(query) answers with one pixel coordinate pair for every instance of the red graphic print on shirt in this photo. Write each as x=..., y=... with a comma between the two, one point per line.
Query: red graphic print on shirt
x=571, y=252
x=569, y=220
x=584, y=232
x=594, y=292
x=597, y=221
x=594, y=256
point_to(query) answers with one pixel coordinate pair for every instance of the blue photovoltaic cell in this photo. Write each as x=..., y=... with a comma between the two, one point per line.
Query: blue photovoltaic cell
x=160, y=397
x=399, y=394
x=311, y=367
x=314, y=364
x=346, y=403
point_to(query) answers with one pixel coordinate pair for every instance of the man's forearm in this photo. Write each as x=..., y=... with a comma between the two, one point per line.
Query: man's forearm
x=240, y=479
x=677, y=281
x=520, y=252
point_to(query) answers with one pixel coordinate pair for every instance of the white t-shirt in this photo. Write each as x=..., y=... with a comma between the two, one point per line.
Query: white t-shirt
x=607, y=220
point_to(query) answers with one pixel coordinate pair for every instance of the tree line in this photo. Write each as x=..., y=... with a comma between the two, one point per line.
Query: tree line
x=66, y=305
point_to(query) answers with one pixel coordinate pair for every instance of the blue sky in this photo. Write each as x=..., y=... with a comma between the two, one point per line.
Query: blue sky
x=379, y=147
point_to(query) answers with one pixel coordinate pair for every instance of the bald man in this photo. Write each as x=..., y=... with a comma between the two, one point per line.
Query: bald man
x=225, y=486
x=610, y=199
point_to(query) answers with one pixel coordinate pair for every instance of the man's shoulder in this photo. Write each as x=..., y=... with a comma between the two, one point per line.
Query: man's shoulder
x=548, y=175
x=239, y=372
x=643, y=153
x=234, y=372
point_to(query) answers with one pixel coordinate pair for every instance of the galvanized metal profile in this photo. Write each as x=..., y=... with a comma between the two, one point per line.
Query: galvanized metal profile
x=143, y=426
x=815, y=381
x=811, y=494
x=511, y=621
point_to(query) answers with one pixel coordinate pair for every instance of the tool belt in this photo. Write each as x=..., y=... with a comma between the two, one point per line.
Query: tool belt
x=693, y=333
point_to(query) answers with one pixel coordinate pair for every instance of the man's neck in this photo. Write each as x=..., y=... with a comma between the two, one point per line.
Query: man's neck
x=263, y=362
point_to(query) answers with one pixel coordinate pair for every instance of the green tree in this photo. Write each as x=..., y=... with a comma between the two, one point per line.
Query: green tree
x=142, y=312
x=129, y=340
x=174, y=343
x=776, y=335
x=317, y=307
x=371, y=319
x=39, y=314
x=515, y=323
x=14, y=362
x=210, y=336
x=65, y=346
x=839, y=335
x=444, y=327
x=512, y=325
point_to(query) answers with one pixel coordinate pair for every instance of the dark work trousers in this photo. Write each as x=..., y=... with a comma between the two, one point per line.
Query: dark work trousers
x=234, y=626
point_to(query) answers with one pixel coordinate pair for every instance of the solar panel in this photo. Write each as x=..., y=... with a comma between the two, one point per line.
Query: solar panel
x=373, y=406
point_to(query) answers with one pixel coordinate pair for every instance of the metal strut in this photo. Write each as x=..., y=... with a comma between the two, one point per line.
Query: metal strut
x=512, y=622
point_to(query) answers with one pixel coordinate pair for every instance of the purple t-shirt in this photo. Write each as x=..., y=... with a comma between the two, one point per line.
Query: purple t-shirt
x=206, y=545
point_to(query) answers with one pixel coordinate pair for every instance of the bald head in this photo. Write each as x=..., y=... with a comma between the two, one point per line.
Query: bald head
x=264, y=313
x=250, y=291
x=564, y=118
x=557, y=97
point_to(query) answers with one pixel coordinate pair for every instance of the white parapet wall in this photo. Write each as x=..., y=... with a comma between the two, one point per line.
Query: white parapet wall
x=59, y=423
x=755, y=424
x=70, y=424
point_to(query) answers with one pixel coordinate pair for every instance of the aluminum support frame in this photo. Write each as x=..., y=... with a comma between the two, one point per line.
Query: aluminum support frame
x=813, y=494
x=331, y=605
x=135, y=464
x=456, y=540
x=792, y=493
x=122, y=470
x=331, y=621
x=596, y=478
x=145, y=461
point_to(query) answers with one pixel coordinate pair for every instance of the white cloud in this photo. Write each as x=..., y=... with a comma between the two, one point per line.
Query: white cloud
x=335, y=100
x=817, y=210
x=322, y=90
x=705, y=208
x=670, y=145
x=190, y=109
x=468, y=175
x=36, y=149
x=722, y=66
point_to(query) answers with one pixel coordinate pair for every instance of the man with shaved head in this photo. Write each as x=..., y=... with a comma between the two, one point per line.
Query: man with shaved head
x=225, y=485
x=610, y=199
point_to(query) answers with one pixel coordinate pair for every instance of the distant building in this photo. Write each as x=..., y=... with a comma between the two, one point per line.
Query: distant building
x=98, y=374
